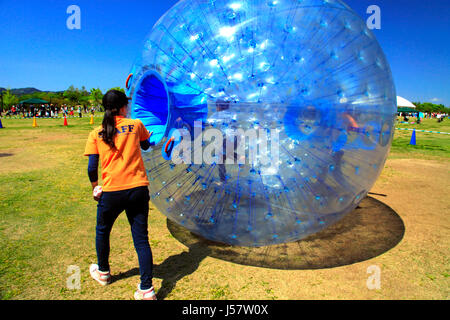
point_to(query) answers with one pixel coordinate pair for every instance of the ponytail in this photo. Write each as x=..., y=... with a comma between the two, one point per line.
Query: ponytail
x=113, y=101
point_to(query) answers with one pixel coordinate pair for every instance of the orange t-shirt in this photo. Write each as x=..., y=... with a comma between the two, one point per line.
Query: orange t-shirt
x=122, y=168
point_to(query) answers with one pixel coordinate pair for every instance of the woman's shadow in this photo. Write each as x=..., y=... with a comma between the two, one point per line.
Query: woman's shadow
x=178, y=266
x=172, y=269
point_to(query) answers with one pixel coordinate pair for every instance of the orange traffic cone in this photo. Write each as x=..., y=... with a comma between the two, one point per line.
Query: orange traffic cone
x=65, y=121
x=92, y=119
x=34, y=122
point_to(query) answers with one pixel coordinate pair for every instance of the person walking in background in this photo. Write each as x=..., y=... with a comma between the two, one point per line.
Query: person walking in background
x=117, y=145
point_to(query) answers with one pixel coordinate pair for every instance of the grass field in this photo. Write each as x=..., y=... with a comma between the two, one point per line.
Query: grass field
x=430, y=146
x=47, y=223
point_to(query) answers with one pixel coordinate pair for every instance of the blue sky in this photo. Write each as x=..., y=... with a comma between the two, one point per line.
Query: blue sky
x=38, y=50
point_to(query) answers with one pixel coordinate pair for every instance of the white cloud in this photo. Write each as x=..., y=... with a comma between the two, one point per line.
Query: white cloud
x=435, y=100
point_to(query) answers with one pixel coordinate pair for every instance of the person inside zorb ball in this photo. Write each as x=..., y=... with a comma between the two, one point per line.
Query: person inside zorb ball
x=271, y=120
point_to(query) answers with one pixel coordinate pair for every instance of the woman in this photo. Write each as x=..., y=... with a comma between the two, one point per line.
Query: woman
x=125, y=187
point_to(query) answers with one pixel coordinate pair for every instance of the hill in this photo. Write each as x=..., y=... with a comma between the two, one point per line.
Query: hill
x=22, y=91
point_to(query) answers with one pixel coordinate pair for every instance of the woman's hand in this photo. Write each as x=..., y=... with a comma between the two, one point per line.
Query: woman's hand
x=96, y=190
x=97, y=193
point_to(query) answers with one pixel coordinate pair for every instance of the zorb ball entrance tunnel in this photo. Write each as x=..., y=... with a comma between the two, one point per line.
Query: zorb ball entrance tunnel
x=309, y=71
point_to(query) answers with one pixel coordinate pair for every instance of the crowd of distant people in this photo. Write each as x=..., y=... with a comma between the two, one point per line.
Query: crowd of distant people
x=49, y=111
x=405, y=116
x=55, y=111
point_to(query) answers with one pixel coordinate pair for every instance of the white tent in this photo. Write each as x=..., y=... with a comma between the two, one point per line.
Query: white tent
x=402, y=103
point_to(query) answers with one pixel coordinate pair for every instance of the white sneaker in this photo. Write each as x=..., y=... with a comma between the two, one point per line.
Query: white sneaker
x=148, y=294
x=102, y=277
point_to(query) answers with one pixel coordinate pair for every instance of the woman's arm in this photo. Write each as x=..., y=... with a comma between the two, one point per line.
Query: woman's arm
x=93, y=169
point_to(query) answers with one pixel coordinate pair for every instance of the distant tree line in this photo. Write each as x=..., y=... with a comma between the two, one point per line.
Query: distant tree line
x=429, y=107
x=71, y=97
x=74, y=96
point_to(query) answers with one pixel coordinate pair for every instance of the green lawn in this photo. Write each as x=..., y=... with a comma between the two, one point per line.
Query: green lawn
x=47, y=221
x=44, y=201
x=429, y=145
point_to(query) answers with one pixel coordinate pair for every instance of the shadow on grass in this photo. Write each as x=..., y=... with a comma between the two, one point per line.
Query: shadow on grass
x=178, y=266
x=367, y=232
x=172, y=269
x=3, y=155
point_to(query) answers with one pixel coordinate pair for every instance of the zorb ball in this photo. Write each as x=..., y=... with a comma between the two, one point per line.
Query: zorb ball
x=298, y=90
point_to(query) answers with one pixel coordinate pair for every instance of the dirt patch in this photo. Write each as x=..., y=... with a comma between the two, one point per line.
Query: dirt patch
x=34, y=152
x=405, y=234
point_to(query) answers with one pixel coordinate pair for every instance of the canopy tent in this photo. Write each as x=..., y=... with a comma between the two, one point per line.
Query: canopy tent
x=406, y=109
x=403, y=103
x=33, y=101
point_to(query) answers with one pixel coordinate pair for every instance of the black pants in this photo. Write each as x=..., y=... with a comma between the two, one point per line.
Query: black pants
x=135, y=203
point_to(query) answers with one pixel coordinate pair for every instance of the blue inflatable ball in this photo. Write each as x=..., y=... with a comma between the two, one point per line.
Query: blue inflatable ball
x=305, y=79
